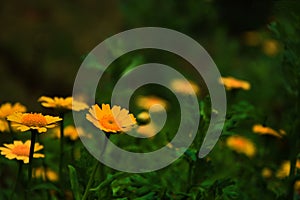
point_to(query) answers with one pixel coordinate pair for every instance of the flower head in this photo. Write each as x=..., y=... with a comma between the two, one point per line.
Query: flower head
x=146, y=102
x=62, y=103
x=241, y=145
x=20, y=151
x=112, y=120
x=263, y=130
x=233, y=83
x=37, y=121
x=45, y=174
x=8, y=109
x=184, y=87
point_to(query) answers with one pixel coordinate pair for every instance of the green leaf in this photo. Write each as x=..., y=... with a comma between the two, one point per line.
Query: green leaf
x=74, y=182
x=45, y=186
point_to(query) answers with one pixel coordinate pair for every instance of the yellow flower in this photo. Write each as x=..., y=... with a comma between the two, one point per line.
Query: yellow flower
x=270, y=47
x=37, y=121
x=252, y=38
x=297, y=187
x=241, y=145
x=148, y=130
x=69, y=131
x=20, y=151
x=284, y=170
x=184, y=87
x=260, y=129
x=146, y=102
x=233, y=83
x=266, y=172
x=45, y=174
x=111, y=120
x=8, y=109
x=3, y=126
x=62, y=103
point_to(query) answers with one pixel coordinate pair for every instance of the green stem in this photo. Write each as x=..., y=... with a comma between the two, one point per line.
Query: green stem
x=20, y=164
x=11, y=131
x=33, y=136
x=61, y=147
x=91, y=179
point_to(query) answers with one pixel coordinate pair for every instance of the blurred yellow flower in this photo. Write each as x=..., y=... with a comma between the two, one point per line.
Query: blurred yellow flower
x=148, y=130
x=62, y=103
x=146, y=102
x=297, y=186
x=270, y=47
x=4, y=126
x=37, y=121
x=252, y=38
x=233, y=83
x=20, y=151
x=241, y=145
x=263, y=130
x=184, y=87
x=45, y=174
x=112, y=120
x=8, y=109
x=143, y=117
x=266, y=172
x=284, y=169
x=70, y=131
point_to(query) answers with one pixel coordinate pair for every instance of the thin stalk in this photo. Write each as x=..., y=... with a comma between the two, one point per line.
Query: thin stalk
x=11, y=131
x=61, y=147
x=91, y=179
x=33, y=137
x=20, y=164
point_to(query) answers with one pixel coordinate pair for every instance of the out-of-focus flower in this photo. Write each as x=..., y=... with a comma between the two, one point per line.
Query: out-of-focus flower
x=70, y=131
x=233, y=83
x=143, y=117
x=8, y=109
x=266, y=172
x=270, y=47
x=184, y=87
x=45, y=174
x=37, y=121
x=284, y=169
x=263, y=130
x=146, y=102
x=114, y=120
x=297, y=187
x=20, y=151
x=252, y=38
x=148, y=130
x=241, y=145
x=62, y=103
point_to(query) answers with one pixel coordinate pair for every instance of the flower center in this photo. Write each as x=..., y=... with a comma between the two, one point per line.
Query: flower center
x=34, y=119
x=108, y=122
x=21, y=150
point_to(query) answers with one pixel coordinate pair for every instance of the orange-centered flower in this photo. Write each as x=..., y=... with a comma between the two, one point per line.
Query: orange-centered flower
x=62, y=103
x=27, y=121
x=20, y=151
x=233, y=83
x=113, y=120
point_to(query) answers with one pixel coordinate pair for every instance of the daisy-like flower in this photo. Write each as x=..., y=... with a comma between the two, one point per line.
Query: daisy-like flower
x=233, y=83
x=184, y=87
x=37, y=121
x=62, y=103
x=45, y=174
x=20, y=151
x=263, y=130
x=241, y=145
x=146, y=102
x=114, y=120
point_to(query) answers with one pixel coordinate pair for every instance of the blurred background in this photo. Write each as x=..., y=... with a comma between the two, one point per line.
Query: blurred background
x=42, y=44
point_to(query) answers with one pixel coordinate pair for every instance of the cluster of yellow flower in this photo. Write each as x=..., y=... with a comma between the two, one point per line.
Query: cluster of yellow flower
x=13, y=117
